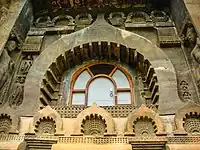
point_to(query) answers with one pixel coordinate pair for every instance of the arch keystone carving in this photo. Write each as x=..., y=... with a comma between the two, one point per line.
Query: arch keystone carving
x=144, y=113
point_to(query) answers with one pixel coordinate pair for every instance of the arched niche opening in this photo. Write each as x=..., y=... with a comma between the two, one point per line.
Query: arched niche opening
x=117, y=82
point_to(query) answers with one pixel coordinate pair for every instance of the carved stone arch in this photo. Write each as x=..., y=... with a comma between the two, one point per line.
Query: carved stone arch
x=144, y=126
x=73, y=46
x=5, y=123
x=42, y=21
x=45, y=125
x=120, y=18
x=159, y=16
x=50, y=115
x=11, y=119
x=95, y=111
x=52, y=79
x=137, y=14
x=146, y=113
x=187, y=118
x=67, y=18
x=84, y=19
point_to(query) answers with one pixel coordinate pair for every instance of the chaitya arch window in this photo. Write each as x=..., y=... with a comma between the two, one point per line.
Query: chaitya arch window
x=105, y=84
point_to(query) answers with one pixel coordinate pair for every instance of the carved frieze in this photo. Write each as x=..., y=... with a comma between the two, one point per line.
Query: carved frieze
x=167, y=37
x=32, y=44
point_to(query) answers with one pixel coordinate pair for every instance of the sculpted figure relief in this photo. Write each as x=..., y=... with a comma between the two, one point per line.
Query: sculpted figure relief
x=16, y=95
x=26, y=65
x=5, y=72
x=4, y=6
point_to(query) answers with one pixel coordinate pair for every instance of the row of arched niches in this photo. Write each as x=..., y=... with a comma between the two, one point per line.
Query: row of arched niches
x=96, y=121
x=115, y=18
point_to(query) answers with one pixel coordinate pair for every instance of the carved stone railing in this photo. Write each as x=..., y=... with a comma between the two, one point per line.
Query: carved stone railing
x=11, y=137
x=108, y=140
x=116, y=111
x=103, y=139
x=19, y=138
x=184, y=139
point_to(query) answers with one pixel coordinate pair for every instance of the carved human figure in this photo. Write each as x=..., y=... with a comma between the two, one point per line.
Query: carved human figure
x=11, y=45
x=16, y=95
x=195, y=54
x=5, y=71
x=26, y=65
x=4, y=6
x=190, y=36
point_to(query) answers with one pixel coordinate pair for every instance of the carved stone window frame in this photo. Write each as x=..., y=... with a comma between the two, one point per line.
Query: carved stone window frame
x=93, y=77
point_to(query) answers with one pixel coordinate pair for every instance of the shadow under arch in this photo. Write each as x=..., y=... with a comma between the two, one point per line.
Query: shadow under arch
x=99, y=32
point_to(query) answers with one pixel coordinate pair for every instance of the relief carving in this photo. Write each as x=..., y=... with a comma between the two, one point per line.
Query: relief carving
x=189, y=35
x=4, y=6
x=25, y=65
x=5, y=123
x=117, y=18
x=185, y=94
x=6, y=68
x=195, y=54
x=16, y=95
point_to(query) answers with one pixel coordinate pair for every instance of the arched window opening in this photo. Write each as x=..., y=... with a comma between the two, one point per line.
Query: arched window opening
x=103, y=83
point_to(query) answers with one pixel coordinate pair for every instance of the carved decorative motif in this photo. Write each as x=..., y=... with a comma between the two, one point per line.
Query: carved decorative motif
x=32, y=44
x=121, y=111
x=189, y=35
x=63, y=20
x=84, y=19
x=192, y=123
x=94, y=125
x=137, y=17
x=25, y=65
x=144, y=121
x=5, y=123
x=196, y=51
x=51, y=119
x=159, y=16
x=185, y=94
x=45, y=125
x=116, y=18
x=43, y=22
x=187, y=118
x=144, y=126
x=102, y=140
x=167, y=37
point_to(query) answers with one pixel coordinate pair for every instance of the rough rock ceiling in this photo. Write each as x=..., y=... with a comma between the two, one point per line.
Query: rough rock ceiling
x=52, y=7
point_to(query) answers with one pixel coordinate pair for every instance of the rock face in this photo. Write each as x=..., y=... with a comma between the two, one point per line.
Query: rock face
x=99, y=74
